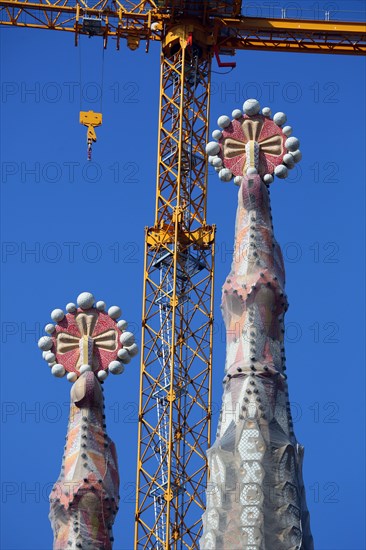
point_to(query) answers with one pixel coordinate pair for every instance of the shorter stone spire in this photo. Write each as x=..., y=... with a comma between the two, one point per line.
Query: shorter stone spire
x=86, y=343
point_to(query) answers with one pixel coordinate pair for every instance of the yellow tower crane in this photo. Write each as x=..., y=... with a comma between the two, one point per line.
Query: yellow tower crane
x=177, y=318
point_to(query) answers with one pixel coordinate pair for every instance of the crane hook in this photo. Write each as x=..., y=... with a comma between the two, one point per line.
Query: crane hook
x=91, y=120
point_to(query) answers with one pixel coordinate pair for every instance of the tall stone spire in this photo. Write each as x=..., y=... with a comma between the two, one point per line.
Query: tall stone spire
x=86, y=343
x=256, y=496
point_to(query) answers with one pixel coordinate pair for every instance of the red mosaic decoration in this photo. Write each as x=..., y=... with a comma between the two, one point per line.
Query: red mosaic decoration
x=253, y=143
x=259, y=128
x=90, y=323
x=87, y=338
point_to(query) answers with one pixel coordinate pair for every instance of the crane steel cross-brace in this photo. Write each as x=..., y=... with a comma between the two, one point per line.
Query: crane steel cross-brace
x=176, y=363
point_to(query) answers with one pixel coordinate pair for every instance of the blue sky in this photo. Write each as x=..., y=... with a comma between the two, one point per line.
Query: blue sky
x=69, y=226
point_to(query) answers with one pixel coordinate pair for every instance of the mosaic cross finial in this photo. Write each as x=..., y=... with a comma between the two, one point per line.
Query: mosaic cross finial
x=253, y=143
x=87, y=338
x=256, y=497
x=86, y=343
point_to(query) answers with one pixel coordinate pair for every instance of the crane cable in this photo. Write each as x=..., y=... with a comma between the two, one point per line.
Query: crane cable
x=81, y=78
x=90, y=119
x=102, y=80
x=80, y=75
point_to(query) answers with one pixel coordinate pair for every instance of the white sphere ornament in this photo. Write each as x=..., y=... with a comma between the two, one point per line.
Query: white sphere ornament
x=251, y=107
x=84, y=368
x=57, y=315
x=217, y=134
x=58, y=370
x=49, y=357
x=132, y=350
x=268, y=178
x=85, y=300
x=212, y=148
x=124, y=356
x=49, y=328
x=237, y=113
x=71, y=307
x=297, y=155
x=122, y=353
x=266, y=111
x=100, y=306
x=279, y=118
x=102, y=375
x=45, y=343
x=114, y=312
x=122, y=324
x=225, y=174
x=44, y=353
x=281, y=171
x=217, y=169
x=237, y=180
x=252, y=171
x=217, y=162
x=211, y=158
x=292, y=144
x=127, y=339
x=116, y=367
x=71, y=376
x=287, y=130
x=223, y=121
x=289, y=160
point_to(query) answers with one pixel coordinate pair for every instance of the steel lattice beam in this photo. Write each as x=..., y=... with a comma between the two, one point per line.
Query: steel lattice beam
x=293, y=35
x=175, y=414
x=228, y=31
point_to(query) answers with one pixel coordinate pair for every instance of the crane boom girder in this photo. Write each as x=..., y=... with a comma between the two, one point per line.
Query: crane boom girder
x=201, y=9
x=292, y=35
x=150, y=21
x=70, y=16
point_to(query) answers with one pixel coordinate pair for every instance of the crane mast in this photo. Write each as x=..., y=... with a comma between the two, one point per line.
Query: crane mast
x=174, y=413
x=177, y=309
